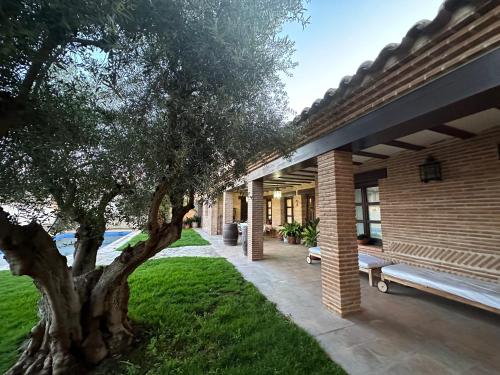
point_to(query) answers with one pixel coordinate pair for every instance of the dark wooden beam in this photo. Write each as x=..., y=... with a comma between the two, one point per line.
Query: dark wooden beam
x=356, y=163
x=289, y=180
x=371, y=155
x=290, y=177
x=405, y=145
x=367, y=178
x=453, y=132
x=304, y=174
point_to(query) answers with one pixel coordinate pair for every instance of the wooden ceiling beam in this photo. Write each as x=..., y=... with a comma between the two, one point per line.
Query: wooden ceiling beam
x=453, y=132
x=405, y=145
x=370, y=155
x=293, y=178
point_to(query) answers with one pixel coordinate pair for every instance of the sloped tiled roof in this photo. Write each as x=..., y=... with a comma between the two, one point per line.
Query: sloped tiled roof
x=397, y=51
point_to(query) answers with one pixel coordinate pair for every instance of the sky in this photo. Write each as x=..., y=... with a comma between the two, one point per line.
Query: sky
x=341, y=35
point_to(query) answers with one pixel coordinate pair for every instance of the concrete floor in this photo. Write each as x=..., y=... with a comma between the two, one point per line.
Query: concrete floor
x=403, y=332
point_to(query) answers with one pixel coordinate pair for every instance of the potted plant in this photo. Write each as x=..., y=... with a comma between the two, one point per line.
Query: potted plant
x=310, y=233
x=363, y=239
x=187, y=222
x=291, y=231
x=196, y=221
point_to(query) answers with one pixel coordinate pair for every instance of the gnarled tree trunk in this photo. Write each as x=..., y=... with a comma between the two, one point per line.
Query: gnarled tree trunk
x=89, y=239
x=83, y=317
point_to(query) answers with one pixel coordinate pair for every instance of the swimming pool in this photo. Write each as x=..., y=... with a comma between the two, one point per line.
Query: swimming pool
x=65, y=242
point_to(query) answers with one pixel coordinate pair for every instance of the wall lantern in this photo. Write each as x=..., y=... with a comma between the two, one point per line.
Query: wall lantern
x=277, y=194
x=430, y=170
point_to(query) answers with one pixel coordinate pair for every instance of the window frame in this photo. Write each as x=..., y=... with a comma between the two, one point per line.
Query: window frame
x=366, y=211
x=269, y=210
x=289, y=199
x=310, y=207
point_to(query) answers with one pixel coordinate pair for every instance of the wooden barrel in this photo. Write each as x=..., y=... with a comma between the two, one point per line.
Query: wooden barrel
x=230, y=234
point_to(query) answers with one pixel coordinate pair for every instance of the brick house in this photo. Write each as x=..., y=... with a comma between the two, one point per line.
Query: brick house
x=359, y=165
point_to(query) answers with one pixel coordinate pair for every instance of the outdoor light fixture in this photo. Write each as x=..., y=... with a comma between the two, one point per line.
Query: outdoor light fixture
x=277, y=194
x=430, y=170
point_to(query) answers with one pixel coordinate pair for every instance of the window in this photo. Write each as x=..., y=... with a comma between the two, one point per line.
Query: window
x=368, y=220
x=244, y=209
x=269, y=211
x=310, y=208
x=289, y=209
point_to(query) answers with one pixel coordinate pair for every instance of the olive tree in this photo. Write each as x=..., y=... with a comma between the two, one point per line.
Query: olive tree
x=179, y=121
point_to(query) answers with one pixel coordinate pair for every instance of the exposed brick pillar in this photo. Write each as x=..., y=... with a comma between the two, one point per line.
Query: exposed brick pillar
x=227, y=208
x=255, y=220
x=213, y=214
x=339, y=251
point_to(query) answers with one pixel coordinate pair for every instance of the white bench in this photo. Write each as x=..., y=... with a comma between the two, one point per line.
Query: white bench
x=371, y=265
x=482, y=294
x=367, y=263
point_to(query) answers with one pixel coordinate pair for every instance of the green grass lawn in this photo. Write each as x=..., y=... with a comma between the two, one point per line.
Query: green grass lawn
x=18, y=298
x=189, y=237
x=197, y=316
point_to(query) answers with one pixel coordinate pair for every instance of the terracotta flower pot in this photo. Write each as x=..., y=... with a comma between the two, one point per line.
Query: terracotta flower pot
x=291, y=240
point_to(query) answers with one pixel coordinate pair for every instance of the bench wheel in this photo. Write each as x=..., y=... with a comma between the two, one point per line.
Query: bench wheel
x=382, y=286
x=308, y=259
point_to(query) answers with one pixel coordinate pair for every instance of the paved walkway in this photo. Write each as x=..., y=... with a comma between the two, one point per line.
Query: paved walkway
x=402, y=332
x=108, y=253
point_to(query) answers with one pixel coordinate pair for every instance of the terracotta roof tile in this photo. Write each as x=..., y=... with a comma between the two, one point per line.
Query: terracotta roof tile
x=394, y=51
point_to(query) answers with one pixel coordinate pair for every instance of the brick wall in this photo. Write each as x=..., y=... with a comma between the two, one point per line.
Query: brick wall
x=451, y=225
x=277, y=212
x=339, y=251
x=227, y=207
x=209, y=218
x=298, y=210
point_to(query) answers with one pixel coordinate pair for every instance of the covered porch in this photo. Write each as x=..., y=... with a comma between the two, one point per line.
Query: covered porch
x=370, y=176
x=405, y=332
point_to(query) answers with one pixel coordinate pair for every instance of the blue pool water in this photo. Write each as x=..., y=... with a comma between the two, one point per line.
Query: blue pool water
x=65, y=242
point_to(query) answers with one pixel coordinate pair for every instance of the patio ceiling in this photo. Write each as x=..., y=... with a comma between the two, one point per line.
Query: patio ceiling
x=464, y=127
x=461, y=128
x=291, y=179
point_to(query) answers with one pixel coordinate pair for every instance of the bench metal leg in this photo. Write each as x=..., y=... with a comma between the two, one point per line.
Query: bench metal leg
x=370, y=277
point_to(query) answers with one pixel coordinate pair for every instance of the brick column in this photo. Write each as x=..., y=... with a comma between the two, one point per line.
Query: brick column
x=255, y=220
x=339, y=250
x=227, y=208
x=213, y=213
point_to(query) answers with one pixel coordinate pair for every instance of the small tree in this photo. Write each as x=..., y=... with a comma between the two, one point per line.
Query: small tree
x=192, y=109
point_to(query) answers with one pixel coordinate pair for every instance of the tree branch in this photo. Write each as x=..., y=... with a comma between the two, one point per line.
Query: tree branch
x=101, y=43
x=153, y=224
x=42, y=56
